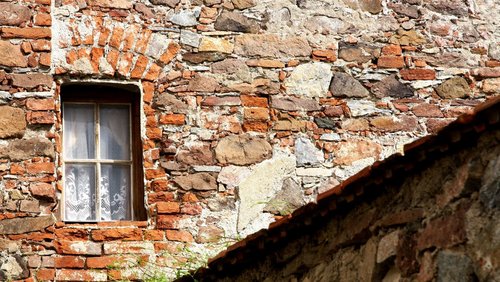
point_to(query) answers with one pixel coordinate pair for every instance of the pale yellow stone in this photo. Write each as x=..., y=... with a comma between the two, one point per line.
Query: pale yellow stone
x=211, y=44
x=491, y=85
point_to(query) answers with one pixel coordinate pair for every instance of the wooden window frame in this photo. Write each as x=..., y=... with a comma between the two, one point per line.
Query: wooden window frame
x=115, y=94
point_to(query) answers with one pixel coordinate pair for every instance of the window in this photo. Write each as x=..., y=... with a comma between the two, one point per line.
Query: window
x=101, y=154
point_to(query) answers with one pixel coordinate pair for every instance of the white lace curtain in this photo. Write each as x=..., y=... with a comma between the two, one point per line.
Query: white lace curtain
x=83, y=165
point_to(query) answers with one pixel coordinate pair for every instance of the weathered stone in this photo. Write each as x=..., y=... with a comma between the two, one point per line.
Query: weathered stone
x=489, y=194
x=233, y=68
x=12, y=14
x=392, y=87
x=353, y=53
x=184, y=18
x=314, y=171
x=326, y=25
x=12, y=122
x=364, y=108
x=29, y=81
x=209, y=234
x=427, y=110
x=169, y=102
x=295, y=104
x=444, y=231
x=454, y=267
x=25, y=224
x=212, y=44
x=202, y=83
x=326, y=123
x=306, y=153
x=14, y=266
x=355, y=124
x=452, y=7
x=387, y=246
x=235, y=21
x=372, y=6
x=11, y=55
x=344, y=85
x=158, y=43
x=270, y=45
x=403, y=9
x=197, y=58
x=393, y=124
x=199, y=181
x=196, y=155
x=453, y=88
x=482, y=73
x=190, y=38
x=231, y=175
x=260, y=186
x=170, y=3
x=22, y=149
x=347, y=152
x=287, y=200
x=243, y=4
x=310, y=80
x=43, y=191
x=242, y=150
x=115, y=4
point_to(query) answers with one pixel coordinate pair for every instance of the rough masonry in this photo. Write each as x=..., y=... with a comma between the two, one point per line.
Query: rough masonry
x=242, y=100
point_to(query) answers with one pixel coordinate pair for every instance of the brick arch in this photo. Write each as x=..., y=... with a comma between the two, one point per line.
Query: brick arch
x=102, y=46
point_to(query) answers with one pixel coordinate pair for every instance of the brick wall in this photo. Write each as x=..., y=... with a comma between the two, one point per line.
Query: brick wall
x=249, y=109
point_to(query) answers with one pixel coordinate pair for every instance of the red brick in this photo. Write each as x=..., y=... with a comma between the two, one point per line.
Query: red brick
x=160, y=197
x=154, y=235
x=125, y=234
x=125, y=63
x=43, y=19
x=44, y=59
x=167, y=221
x=173, y=119
x=443, y=232
x=43, y=190
x=35, y=168
x=140, y=67
x=168, y=207
x=81, y=275
x=78, y=247
x=45, y=274
x=172, y=50
x=142, y=42
x=153, y=133
x=391, y=62
x=16, y=169
x=254, y=101
x=40, y=117
x=179, y=235
x=191, y=209
x=26, y=32
x=154, y=173
x=256, y=126
x=392, y=50
x=324, y=55
x=69, y=262
x=256, y=114
x=40, y=104
x=221, y=101
x=116, y=37
x=73, y=234
x=418, y=74
x=153, y=73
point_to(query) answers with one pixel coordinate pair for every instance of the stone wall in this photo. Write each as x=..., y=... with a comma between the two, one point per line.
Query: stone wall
x=438, y=222
x=249, y=109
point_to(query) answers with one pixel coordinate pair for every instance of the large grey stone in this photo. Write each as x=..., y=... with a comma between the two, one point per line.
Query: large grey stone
x=184, y=18
x=456, y=87
x=12, y=122
x=235, y=21
x=22, y=149
x=344, y=85
x=287, y=200
x=310, y=80
x=190, y=38
x=271, y=45
x=25, y=224
x=306, y=153
x=454, y=267
x=242, y=150
x=199, y=181
x=12, y=14
x=262, y=185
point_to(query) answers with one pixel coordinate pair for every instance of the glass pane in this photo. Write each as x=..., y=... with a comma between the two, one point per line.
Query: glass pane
x=78, y=135
x=115, y=132
x=115, y=192
x=79, y=192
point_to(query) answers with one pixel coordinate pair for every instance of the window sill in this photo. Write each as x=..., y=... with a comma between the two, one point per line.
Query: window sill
x=125, y=223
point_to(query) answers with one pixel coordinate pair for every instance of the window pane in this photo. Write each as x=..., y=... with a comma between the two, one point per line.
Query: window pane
x=115, y=132
x=115, y=192
x=79, y=192
x=78, y=135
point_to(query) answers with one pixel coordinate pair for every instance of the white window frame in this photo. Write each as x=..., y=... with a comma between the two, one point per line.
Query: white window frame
x=98, y=161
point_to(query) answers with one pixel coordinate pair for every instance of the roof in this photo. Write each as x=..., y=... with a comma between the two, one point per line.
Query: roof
x=464, y=130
